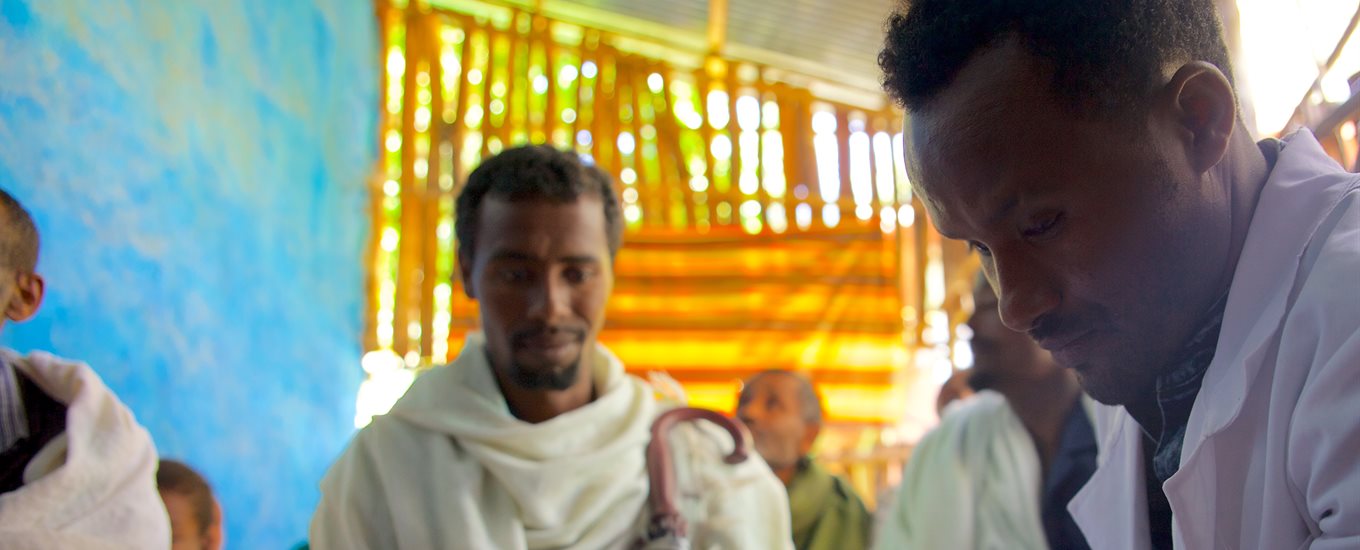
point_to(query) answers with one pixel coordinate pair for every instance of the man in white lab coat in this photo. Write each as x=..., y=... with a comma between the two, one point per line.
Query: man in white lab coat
x=535, y=437
x=1202, y=284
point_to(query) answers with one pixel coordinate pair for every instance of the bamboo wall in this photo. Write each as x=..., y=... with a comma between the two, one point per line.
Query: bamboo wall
x=766, y=227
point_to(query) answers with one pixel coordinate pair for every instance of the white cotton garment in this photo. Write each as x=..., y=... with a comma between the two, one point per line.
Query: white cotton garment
x=94, y=486
x=451, y=468
x=972, y=482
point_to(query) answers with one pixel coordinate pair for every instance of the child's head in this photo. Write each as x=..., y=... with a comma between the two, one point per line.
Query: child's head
x=21, y=288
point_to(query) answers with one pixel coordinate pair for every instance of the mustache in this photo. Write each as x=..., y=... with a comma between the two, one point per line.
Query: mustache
x=1047, y=327
x=1052, y=327
x=523, y=336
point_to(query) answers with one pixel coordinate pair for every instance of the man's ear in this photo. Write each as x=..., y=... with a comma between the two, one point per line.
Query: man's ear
x=1202, y=104
x=28, y=296
x=465, y=273
x=213, y=537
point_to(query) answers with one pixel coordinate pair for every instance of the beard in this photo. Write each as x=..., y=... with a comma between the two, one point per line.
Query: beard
x=545, y=378
x=542, y=372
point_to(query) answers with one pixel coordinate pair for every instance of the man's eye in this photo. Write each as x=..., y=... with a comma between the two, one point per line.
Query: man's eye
x=980, y=248
x=1045, y=227
x=576, y=275
x=510, y=275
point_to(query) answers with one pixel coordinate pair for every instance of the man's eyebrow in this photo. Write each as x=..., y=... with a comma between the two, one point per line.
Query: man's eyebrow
x=511, y=255
x=1004, y=210
x=516, y=256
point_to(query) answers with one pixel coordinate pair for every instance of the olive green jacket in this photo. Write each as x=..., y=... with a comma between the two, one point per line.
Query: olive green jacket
x=827, y=514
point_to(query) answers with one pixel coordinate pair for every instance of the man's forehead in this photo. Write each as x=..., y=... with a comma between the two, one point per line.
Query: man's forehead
x=543, y=230
x=994, y=133
x=781, y=383
x=559, y=217
x=534, y=205
x=997, y=83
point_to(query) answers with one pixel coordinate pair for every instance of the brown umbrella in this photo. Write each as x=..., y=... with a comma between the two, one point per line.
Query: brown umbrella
x=667, y=530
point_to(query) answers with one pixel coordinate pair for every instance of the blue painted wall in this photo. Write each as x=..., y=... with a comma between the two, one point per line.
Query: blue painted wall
x=197, y=172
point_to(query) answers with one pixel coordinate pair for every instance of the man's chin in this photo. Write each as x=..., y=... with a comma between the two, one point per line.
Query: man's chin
x=546, y=376
x=1106, y=386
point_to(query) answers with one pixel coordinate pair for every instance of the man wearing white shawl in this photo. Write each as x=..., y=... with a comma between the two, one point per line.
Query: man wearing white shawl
x=534, y=437
x=76, y=470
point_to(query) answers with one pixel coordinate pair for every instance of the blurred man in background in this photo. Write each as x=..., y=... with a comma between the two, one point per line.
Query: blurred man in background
x=1000, y=468
x=195, y=515
x=784, y=413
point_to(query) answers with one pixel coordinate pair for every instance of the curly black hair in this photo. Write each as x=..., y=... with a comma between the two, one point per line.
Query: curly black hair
x=1105, y=55
x=534, y=172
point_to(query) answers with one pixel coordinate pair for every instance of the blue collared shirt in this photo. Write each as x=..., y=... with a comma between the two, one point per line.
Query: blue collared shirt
x=1164, y=415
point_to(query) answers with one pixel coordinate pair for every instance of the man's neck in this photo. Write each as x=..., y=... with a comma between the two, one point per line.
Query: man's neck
x=787, y=473
x=1043, y=405
x=1245, y=170
x=540, y=405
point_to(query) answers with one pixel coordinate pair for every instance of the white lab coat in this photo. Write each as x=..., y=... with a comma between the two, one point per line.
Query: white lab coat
x=450, y=467
x=1271, y=458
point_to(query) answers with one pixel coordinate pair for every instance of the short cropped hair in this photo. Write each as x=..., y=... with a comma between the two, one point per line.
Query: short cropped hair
x=19, y=238
x=1106, y=56
x=809, y=401
x=535, y=172
x=176, y=477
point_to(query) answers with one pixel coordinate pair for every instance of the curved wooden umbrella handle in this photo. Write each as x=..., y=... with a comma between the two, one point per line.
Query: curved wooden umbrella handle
x=666, y=518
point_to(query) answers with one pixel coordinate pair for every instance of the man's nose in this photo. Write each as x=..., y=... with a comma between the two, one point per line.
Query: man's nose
x=550, y=301
x=1024, y=292
x=747, y=414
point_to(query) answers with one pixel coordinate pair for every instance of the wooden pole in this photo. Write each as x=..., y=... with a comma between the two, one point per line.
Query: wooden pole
x=408, y=255
x=717, y=26
x=372, y=287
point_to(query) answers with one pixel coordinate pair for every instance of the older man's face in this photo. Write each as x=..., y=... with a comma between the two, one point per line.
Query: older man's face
x=1102, y=242
x=771, y=407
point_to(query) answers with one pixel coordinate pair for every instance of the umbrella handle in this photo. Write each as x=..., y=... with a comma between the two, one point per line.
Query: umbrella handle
x=666, y=518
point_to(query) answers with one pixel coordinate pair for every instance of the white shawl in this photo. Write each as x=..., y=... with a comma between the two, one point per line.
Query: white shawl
x=450, y=467
x=92, y=487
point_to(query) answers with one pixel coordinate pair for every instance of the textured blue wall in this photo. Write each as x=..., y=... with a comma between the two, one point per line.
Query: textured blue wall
x=196, y=169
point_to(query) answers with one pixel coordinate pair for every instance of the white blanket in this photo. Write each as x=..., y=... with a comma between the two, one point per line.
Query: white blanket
x=450, y=467
x=94, y=486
